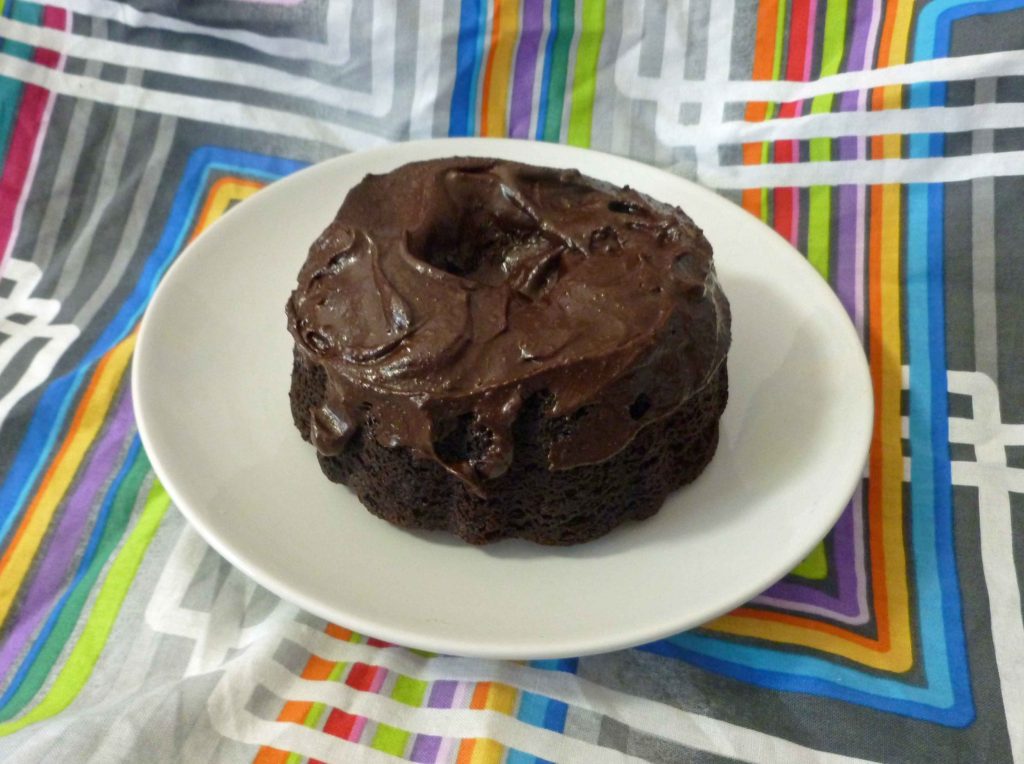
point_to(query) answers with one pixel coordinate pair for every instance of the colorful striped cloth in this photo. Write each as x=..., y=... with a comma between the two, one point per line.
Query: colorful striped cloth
x=885, y=140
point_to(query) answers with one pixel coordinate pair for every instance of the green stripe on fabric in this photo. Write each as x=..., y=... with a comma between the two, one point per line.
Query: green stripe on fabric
x=120, y=515
x=780, y=36
x=815, y=565
x=80, y=663
x=11, y=89
x=559, y=69
x=409, y=691
x=819, y=223
x=390, y=740
x=581, y=114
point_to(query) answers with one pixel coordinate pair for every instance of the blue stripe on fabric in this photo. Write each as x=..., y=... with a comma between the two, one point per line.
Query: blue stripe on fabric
x=51, y=411
x=35, y=450
x=545, y=82
x=467, y=64
x=532, y=708
x=783, y=671
x=515, y=756
x=83, y=567
x=569, y=665
x=478, y=70
x=554, y=716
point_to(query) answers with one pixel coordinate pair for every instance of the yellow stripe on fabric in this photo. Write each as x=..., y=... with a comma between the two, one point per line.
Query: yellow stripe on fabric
x=79, y=665
x=487, y=751
x=505, y=33
x=228, y=194
x=501, y=697
x=86, y=425
x=890, y=436
x=892, y=95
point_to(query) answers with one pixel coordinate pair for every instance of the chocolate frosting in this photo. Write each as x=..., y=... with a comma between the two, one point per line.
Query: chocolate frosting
x=464, y=286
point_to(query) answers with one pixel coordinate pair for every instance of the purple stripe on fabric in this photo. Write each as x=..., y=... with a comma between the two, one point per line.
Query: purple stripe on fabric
x=846, y=257
x=525, y=68
x=863, y=12
x=442, y=694
x=862, y=21
x=53, y=570
x=864, y=31
x=425, y=749
x=843, y=562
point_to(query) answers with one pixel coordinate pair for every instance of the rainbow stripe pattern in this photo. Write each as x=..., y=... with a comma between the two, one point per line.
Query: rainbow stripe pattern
x=125, y=133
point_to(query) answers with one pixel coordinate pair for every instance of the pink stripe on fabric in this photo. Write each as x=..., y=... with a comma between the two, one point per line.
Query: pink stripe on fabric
x=26, y=141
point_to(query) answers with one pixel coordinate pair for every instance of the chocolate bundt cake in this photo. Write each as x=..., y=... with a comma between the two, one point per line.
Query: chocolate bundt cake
x=502, y=350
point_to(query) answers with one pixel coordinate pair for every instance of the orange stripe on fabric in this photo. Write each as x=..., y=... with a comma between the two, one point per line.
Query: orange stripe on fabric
x=504, y=33
x=479, y=699
x=466, y=751
x=764, y=53
x=875, y=466
x=86, y=425
x=340, y=632
x=268, y=755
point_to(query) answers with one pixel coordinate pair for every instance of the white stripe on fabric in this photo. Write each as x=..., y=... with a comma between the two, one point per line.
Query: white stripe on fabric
x=716, y=72
x=213, y=69
x=228, y=113
x=335, y=50
x=633, y=84
x=868, y=171
x=428, y=71
x=42, y=325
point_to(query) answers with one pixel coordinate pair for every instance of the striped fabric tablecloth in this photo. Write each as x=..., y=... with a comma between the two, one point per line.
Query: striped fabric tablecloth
x=885, y=140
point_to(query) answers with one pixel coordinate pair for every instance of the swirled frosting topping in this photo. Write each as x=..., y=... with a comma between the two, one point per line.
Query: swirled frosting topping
x=464, y=286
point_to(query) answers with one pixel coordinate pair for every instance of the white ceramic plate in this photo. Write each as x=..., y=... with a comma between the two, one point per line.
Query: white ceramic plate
x=211, y=377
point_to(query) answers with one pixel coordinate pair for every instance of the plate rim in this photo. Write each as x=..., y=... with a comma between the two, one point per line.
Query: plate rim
x=451, y=644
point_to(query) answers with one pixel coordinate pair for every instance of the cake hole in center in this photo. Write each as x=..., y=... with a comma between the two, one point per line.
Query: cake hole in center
x=527, y=262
